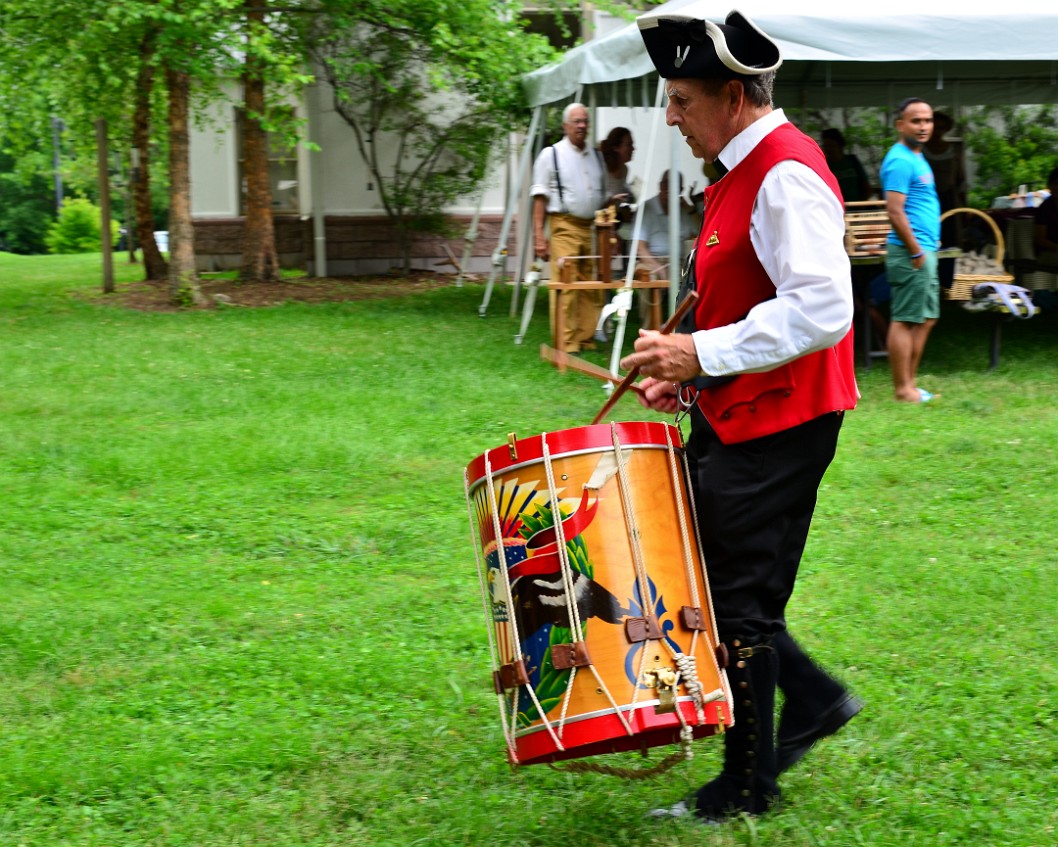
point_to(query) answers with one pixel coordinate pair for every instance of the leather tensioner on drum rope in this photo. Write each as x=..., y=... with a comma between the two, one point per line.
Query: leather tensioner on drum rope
x=662, y=679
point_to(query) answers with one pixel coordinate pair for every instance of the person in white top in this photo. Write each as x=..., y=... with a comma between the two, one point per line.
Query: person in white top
x=567, y=190
x=617, y=150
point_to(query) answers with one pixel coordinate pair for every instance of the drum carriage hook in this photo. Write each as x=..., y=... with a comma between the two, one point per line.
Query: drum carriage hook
x=686, y=398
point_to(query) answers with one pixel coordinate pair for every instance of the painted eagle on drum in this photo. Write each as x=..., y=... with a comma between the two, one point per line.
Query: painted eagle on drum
x=539, y=591
x=538, y=599
x=542, y=599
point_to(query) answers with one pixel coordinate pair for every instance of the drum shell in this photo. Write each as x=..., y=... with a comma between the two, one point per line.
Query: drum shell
x=639, y=514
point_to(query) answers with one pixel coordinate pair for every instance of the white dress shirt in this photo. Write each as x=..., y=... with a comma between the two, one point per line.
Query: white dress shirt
x=797, y=229
x=582, y=179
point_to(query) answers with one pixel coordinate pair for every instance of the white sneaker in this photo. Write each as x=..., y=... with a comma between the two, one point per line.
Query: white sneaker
x=677, y=810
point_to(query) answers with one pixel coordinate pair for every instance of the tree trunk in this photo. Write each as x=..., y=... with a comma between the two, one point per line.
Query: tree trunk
x=259, y=260
x=404, y=239
x=154, y=264
x=183, y=278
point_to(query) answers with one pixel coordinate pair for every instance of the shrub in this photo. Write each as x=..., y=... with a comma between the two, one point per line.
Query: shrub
x=1012, y=145
x=78, y=228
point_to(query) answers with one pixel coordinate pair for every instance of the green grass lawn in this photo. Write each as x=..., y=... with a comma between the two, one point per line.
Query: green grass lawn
x=239, y=602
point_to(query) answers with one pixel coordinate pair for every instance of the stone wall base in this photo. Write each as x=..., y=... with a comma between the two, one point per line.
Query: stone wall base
x=355, y=245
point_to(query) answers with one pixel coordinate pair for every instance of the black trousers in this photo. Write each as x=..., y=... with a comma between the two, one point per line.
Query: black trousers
x=755, y=502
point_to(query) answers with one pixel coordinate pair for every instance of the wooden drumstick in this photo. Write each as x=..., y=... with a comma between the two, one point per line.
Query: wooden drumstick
x=670, y=325
x=575, y=364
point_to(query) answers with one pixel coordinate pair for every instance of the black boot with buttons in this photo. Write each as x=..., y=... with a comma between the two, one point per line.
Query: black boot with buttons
x=748, y=783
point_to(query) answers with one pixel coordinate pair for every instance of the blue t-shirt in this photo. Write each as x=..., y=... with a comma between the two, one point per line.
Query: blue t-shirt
x=909, y=173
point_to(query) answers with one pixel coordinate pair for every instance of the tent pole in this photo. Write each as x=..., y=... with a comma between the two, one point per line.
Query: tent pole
x=622, y=300
x=526, y=248
x=675, y=259
x=469, y=239
x=499, y=255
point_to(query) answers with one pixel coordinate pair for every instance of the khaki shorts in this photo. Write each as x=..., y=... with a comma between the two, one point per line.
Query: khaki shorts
x=915, y=293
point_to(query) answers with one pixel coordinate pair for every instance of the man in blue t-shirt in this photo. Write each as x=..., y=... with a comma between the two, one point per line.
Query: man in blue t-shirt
x=911, y=253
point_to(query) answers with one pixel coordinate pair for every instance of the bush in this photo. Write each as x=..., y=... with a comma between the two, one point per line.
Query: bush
x=78, y=228
x=1012, y=146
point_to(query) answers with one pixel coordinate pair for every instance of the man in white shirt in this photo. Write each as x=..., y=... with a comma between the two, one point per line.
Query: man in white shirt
x=567, y=190
x=766, y=369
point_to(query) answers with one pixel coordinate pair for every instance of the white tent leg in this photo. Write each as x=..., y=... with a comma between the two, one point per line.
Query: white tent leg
x=532, y=284
x=499, y=255
x=675, y=245
x=528, y=270
x=469, y=239
x=524, y=258
x=623, y=299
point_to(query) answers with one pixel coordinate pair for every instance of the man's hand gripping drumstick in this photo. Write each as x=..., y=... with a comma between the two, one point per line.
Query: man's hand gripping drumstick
x=653, y=393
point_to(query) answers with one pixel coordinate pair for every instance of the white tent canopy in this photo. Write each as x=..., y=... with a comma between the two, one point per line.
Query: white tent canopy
x=838, y=55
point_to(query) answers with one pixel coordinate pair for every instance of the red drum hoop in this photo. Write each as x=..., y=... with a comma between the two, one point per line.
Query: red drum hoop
x=599, y=616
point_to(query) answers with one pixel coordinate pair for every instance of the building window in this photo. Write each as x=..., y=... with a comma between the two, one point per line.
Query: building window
x=282, y=172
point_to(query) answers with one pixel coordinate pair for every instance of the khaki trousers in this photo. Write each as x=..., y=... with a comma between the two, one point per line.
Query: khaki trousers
x=572, y=236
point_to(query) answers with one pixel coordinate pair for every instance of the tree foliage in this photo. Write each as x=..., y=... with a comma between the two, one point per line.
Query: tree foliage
x=868, y=132
x=1008, y=145
x=1011, y=146
x=428, y=87
x=85, y=61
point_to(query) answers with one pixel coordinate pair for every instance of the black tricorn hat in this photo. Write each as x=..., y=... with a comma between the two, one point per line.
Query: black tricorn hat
x=683, y=44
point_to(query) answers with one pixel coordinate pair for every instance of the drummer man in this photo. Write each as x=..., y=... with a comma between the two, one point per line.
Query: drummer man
x=770, y=353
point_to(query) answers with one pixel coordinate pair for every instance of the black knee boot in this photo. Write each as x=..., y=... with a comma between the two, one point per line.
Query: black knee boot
x=815, y=705
x=748, y=782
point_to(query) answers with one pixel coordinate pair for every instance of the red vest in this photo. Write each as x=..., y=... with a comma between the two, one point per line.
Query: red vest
x=731, y=281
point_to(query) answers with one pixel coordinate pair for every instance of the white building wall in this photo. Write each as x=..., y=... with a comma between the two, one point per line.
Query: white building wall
x=349, y=188
x=215, y=163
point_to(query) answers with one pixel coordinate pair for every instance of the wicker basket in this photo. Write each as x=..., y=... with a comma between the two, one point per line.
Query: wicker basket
x=962, y=287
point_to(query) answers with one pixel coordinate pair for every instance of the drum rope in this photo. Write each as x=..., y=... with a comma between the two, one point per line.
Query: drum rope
x=613, y=703
x=563, y=553
x=666, y=764
x=512, y=617
x=685, y=536
x=510, y=724
x=490, y=619
x=571, y=603
x=686, y=662
x=630, y=517
x=624, y=488
x=567, y=576
x=636, y=687
x=725, y=692
x=565, y=700
x=688, y=672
